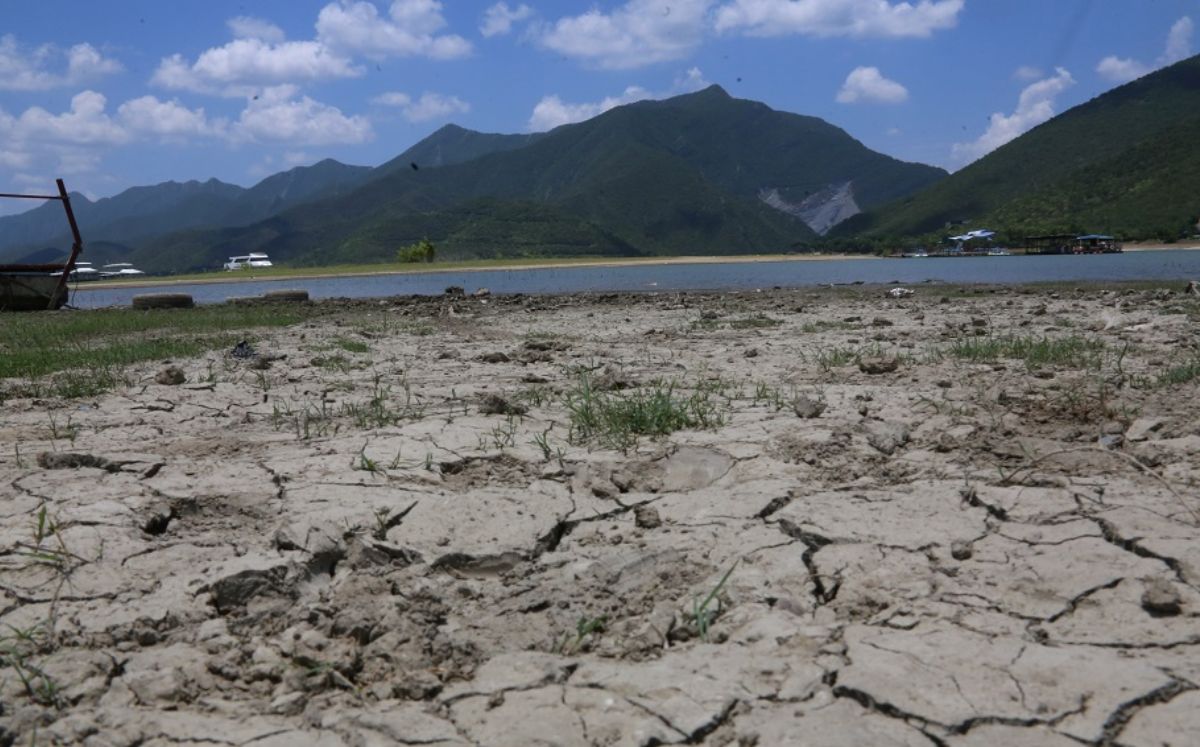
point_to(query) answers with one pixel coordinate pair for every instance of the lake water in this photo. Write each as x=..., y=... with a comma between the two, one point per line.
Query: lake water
x=1151, y=265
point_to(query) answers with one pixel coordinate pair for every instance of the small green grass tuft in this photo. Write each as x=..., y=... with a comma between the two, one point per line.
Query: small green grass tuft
x=1073, y=351
x=658, y=409
x=352, y=346
x=1181, y=373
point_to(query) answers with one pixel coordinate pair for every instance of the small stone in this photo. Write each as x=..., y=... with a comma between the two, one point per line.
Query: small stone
x=494, y=404
x=807, y=408
x=960, y=550
x=887, y=436
x=978, y=322
x=1142, y=428
x=879, y=364
x=171, y=376
x=751, y=353
x=481, y=293
x=495, y=357
x=646, y=517
x=881, y=322
x=1160, y=599
x=70, y=460
x=455, y=290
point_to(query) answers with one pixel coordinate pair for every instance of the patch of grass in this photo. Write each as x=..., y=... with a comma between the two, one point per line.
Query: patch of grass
x=1181, y=373
x=1073, y=351
x=658, y=409
x=757, y=321
x=352, y=346
x=87, y=351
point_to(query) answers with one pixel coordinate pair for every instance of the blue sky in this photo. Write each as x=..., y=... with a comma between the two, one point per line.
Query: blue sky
x=115, y=94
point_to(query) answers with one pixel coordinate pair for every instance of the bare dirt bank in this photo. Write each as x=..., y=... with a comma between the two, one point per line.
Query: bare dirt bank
x=952, y=519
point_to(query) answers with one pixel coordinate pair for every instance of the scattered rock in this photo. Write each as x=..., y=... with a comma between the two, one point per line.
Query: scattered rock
x=494, y=357
x=243, y=350
x=881, y=322
x=71, y=460
x=495, y=404
x=900, y=292
x=532, y=378
x=1160, y=599
x=750, y=353
x=887, y=436
x=807, y=407
x=960, y=550
x=481, y=293
x=879, y=364
x=171, y=376
x=1143, y=428
x=455, y=290
x=646, y=517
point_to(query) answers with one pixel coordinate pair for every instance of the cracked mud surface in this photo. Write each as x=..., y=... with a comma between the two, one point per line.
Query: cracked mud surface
x=343, y=549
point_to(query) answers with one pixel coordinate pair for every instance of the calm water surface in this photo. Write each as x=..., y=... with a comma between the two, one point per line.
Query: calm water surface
x=1153, y=265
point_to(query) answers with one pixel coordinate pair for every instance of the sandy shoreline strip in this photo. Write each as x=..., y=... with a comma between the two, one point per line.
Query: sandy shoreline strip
x=233, y=277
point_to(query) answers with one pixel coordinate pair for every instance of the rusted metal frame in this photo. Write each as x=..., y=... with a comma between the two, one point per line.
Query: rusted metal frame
x=76, y=246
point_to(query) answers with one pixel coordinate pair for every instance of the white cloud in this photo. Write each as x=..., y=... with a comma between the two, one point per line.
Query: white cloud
x=552, y=111
x=428, y=107
x=640, y=32
x=85, y=123
x=166, y=118
x=25, y=68
x=15, y=159
x=867, y=84
x=1027, y=72
x=248, y=27
x=825, y=18
x=1179, y=42
x=356, y=27
x=237, y=67
x=1178, y=47
x=1122, y=70
x=1035, y=105
x=498, y=20
x=692, y=80
x=280, y=115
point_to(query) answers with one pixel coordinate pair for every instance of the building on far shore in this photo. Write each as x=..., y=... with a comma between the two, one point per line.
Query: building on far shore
x=1069, y=243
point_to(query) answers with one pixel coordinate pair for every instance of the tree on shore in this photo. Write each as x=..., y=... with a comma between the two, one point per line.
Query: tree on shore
x=422, y=251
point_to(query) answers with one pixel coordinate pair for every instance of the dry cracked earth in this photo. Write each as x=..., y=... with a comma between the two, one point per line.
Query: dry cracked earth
x=383, y=530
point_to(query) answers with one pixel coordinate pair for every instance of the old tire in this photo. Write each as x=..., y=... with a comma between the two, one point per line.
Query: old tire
x=292, y=296
x=163, y=301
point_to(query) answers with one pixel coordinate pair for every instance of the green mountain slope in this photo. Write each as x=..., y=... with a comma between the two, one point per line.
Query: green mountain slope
x=1126, y=162
x=680, y=176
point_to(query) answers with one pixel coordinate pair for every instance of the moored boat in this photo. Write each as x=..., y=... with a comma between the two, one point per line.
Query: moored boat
x=31, y=287
x=119, y=270
x=83, y=271
x=248, y=261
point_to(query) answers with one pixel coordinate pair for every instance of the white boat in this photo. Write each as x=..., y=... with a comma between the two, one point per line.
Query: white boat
x=82, y=271
x=119, y=270
x=247, y=261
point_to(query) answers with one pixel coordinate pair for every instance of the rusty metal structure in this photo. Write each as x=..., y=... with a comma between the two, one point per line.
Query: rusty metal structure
x=26, y=287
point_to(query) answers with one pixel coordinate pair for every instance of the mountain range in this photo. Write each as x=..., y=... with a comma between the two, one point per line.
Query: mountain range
x=702, y=173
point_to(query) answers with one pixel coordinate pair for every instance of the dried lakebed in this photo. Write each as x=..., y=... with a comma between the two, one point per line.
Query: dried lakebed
x=952, y=519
